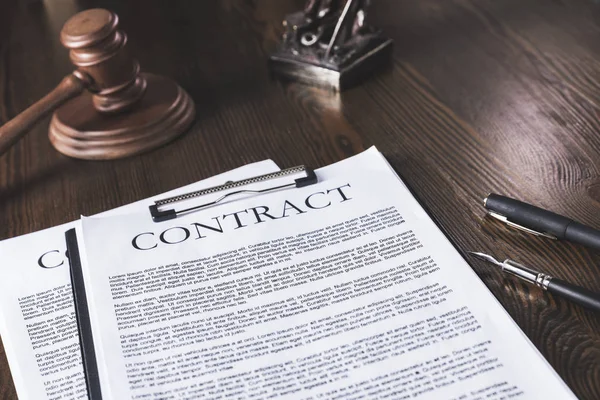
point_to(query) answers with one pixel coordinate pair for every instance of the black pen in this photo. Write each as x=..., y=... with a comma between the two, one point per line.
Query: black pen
x=576, y=294
x=540, y=222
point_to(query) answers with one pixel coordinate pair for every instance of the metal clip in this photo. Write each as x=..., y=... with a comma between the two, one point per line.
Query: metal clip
x=502, y=218
x=308, y=178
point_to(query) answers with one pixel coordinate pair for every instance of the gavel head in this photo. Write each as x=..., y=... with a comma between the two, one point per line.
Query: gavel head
x=99, y=50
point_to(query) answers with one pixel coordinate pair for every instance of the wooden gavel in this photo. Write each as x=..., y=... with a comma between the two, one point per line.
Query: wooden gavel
x=106, y=108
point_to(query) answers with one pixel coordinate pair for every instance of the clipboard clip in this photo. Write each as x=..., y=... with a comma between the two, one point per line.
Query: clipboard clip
x=159, y=214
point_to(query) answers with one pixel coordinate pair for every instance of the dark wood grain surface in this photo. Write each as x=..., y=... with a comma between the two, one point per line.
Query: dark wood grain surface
x=482, y=95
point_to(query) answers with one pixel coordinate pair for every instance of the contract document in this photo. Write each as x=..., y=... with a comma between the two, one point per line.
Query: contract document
x=345, y=289
x=37, y=315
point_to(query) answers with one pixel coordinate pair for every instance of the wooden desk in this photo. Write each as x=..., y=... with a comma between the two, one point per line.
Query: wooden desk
x=483, y=95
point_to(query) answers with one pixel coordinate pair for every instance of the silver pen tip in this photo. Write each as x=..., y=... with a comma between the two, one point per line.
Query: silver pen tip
x=486, y=257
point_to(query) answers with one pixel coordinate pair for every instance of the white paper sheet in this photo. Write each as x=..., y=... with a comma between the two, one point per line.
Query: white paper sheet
x=36, y=299
x=341, y=290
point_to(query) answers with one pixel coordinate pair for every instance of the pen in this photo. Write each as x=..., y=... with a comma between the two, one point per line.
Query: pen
x=576, y=294
x=540, y=222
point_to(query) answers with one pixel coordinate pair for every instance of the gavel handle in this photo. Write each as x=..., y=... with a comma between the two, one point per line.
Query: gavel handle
x=71, y=86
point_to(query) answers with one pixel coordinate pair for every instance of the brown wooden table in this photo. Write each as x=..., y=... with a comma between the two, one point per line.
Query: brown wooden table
x=483, y=95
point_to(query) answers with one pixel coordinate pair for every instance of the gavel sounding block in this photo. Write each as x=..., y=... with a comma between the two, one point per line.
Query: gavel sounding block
x=164, y=112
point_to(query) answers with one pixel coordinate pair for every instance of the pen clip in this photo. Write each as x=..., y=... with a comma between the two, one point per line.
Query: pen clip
x=517, y=226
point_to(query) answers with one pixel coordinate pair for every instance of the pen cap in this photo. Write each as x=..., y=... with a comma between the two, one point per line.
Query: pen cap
x=527, y=215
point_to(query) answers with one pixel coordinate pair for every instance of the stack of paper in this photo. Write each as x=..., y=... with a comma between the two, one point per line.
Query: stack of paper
x=344, y=289
x=37, y=315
